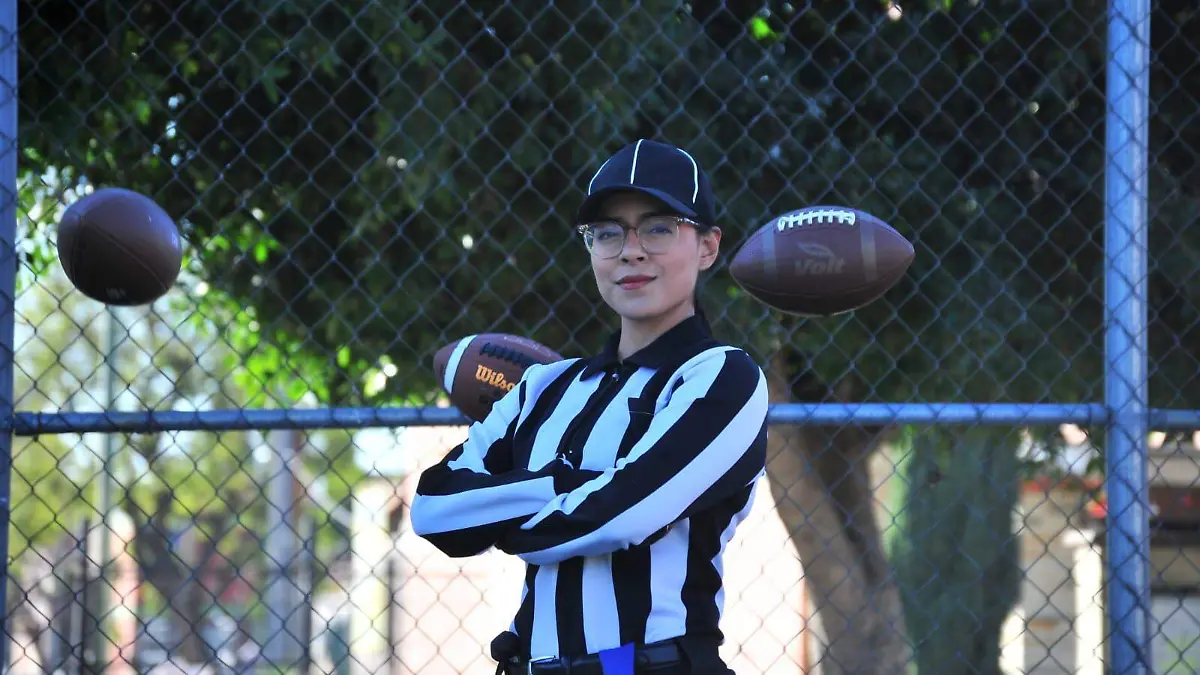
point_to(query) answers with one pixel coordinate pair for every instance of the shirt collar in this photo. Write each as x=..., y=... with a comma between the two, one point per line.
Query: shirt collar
x=684, y=339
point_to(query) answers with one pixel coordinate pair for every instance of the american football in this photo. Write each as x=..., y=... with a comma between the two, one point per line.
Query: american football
x=821, y=261
x=119, y=247
x=477, y=370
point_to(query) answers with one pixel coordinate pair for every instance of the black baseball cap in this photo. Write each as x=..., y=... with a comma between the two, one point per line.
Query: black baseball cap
x=659, y=170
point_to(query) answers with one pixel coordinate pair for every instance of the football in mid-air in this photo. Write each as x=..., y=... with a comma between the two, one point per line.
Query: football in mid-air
x=478, y=370
x=119, y=247
x=821, y=261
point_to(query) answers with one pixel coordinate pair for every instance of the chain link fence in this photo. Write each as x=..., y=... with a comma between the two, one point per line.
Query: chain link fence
x=991, y=469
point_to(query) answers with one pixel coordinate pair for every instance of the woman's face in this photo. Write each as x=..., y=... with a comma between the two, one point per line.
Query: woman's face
x=646, y=287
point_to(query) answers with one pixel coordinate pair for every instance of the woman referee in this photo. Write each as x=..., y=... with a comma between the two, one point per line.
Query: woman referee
x=620, y=478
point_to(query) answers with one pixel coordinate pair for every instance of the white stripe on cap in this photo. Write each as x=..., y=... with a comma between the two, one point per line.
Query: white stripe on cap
x=695, y=175
x=452, y=366
x=633, y=169
x=593, y=180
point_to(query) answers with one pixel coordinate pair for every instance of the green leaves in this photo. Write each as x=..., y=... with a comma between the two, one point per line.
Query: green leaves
x=952, y=545
x=328, y=160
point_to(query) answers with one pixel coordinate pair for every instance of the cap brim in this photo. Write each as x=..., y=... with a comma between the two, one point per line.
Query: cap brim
x=587, y=210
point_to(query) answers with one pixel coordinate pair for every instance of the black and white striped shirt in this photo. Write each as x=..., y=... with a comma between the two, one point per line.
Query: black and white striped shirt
x=618, y=483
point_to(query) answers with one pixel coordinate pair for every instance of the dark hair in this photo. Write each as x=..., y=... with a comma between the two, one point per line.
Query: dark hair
x=696, y=301
x=700, y=309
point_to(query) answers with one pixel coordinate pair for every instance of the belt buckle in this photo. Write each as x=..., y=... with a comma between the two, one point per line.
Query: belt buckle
x=538, y=659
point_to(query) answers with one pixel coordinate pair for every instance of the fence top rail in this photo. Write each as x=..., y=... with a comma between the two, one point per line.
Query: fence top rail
x=995, y=414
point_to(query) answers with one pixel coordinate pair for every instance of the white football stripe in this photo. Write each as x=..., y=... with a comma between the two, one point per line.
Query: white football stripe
x=452, y=366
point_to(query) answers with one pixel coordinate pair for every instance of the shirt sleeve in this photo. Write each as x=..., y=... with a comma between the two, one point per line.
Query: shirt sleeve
x=706, y=444
x=463, y=502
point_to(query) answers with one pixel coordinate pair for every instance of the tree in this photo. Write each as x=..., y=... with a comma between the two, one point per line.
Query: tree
x=206, y=485
x=353, y=176
x=57, y=478
x=957, y=567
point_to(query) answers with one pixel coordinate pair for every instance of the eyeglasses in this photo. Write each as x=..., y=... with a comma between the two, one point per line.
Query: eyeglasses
x=606, y=239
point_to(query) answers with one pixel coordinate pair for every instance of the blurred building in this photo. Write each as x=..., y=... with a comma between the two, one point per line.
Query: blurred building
x=445, y=612
x=1059, y=625
x=417, y=611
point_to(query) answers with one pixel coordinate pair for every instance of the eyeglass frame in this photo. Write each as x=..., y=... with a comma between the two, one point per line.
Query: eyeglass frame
x=582, y=229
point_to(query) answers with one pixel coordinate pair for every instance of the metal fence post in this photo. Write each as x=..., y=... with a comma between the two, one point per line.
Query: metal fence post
x=281, y=644
x=8, y=285
x=101, y=638
x=1125, y=244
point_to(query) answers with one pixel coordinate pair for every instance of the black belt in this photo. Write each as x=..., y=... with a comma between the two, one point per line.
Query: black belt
x=646, y=658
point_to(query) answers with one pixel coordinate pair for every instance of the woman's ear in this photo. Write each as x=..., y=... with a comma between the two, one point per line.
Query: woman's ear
x=710, y=246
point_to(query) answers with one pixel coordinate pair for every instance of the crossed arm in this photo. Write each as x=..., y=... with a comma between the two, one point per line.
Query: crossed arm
x=708, y=442
x=463, y=503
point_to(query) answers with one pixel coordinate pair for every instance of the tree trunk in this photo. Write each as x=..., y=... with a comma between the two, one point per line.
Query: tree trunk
x=25, y=601
x=966, y=481
x=176, y=581
x=820, y=480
